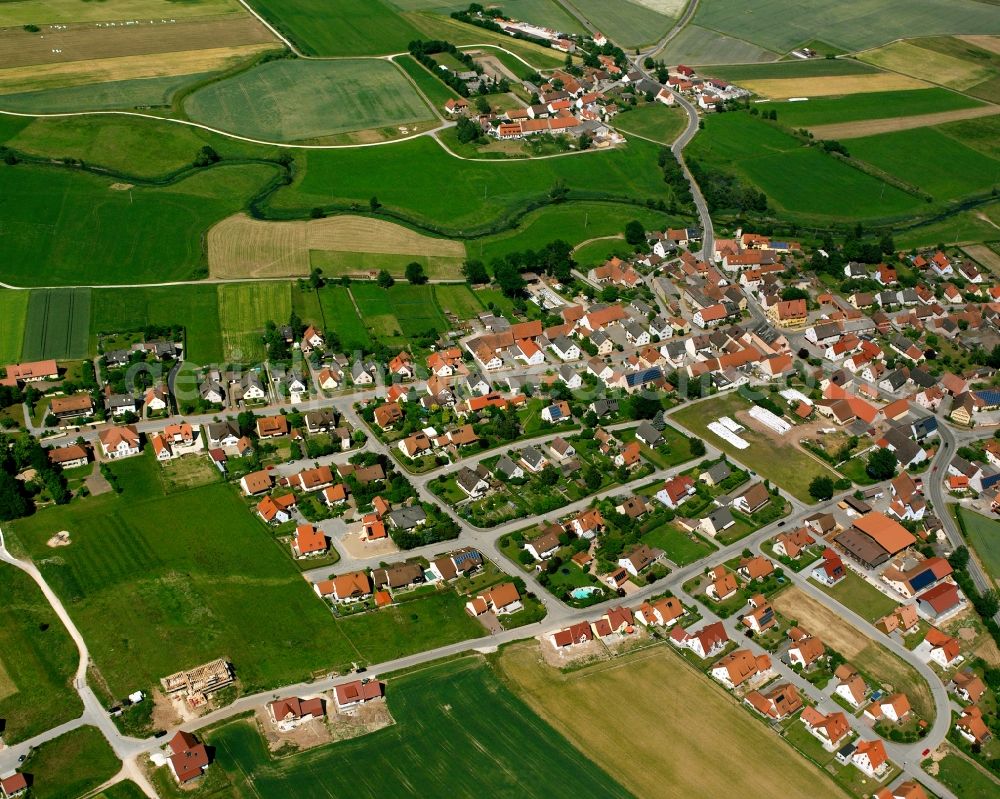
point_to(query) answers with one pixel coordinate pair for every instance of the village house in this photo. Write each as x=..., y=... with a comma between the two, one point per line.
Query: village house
x=119, y=442
x=741, y=666
x=501, y=600
x=187, y=756
x=828, y=729
x=778, y=703
x=291, y=712
x=350, y=695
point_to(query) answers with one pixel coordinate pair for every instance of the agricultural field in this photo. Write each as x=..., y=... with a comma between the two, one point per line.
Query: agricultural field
x=40, y=77
x=194, y=307
x=698, y=45
x=982, y=135
x=653, y=121
x=962, y=64
x=831, y=85
x=953, y=171
x=118, y=94
x=443, y=713
x=351, y=27
x=37, y=664
x=90, y=229
x=340, y=316
x=121, y=790
x=241, y=247
x=244, y=310
x=574, y=223
x=984, y=536
x=981, y=224
x=780, y=70
x=45, y=12
x=803, y=181
x=876, y=105
x=184, y=589
x=479, y=192
x=784, y=464
x=966, y=778
x=72, y=765
x=436, y=92
x=540, y=12
x=693, y=714
x=629, y=23
x=298, y=100
x=458, y=300
x=13, y=313
x=399, y=313
x=857, y=648
x=148, y=37
x=58, y=325
x=851, y=25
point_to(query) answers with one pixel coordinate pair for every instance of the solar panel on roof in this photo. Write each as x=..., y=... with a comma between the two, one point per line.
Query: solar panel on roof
x=922, y=580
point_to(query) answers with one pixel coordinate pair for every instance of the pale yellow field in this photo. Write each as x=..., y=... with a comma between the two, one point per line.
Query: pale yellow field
x=45, y=12
x=991, y=43
x=783, y=88
x=870, y=127
x=78, y=73
x=856, y=647
x=670, y=8
x=929, y=65
x=240, y=247
x=652, y=722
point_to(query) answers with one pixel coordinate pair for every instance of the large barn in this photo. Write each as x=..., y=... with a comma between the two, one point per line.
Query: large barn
x=873, y=539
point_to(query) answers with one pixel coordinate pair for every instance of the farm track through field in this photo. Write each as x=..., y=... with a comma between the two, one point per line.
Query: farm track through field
x=872, y=127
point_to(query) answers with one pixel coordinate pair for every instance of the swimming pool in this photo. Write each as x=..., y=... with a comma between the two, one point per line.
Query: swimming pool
x=584, y=592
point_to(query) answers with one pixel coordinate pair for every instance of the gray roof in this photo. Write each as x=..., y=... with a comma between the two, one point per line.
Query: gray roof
x=648, y=433
x=506, y=466
x=721, y=518
x=719, y=471
x=532, y=455
x=407, y=517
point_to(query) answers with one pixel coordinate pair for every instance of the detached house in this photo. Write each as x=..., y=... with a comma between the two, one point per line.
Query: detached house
x=119, y=442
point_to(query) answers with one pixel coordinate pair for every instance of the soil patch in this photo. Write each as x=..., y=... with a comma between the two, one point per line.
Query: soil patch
x=121, y=186
x=60, y=539
x=871, y=127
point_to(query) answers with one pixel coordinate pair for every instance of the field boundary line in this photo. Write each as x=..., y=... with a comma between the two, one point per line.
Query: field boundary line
x=280, y=36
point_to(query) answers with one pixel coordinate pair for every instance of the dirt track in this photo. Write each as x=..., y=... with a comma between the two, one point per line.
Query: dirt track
x=870, y=127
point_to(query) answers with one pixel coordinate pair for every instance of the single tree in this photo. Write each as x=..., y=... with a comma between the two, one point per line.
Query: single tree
x=415, y=273
x=821, y=488
x=635, y=233
x=881, y=464
x=384, y=279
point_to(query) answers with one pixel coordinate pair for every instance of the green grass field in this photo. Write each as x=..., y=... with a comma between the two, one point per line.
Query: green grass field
x=815, y=68
x=58, y=324
x=45, y=12
x=298, y=100
x=343, y=262
x=72, y=765
x=626, y=23
x=540, y=12
x=573, y=223
x=89, y=229
x=970, y=227
x=122, y=790
x=698, y=45
x=853, y=24
x=874, y=105
x=13, y=314
x=865, y=600
x=399, y=313
x=434, y=90
x=925, y=157
x=339, y=315
x=478, y=191
x=194, y=307
x=800, y=180
x=984, y=536
x=457, y=299
x=349, y=27
x=679, y=546
x=118, y=94
x=244, y=310
x=792, y=469
x=653, y=121
x=982, y=134
x=966, y=778
x=38, y=661
x=459, y=732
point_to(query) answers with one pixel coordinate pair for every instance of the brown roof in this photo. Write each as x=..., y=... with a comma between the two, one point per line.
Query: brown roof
x=258, y=481
x=77, y=403
x=65, y=454
x=351, y=584
x=888, y=534
x=272, y=426
x=358, y=691
x=500, y=596
x=755, y=496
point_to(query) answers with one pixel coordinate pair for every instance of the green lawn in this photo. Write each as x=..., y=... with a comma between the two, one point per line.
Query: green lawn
x=966, y=778
x=72, y=765
x=925, y=157
x=653, y=121
x=13, y=314
x=340, y=317
x=679, y=546
x=459, y=732
x=867, y=601
x=244, y=309
x=784, y=465
x=90, y=229
x=851, y=25
x=349, y=27
x=37, y=661
x=873, y=105
x=194, y=307
x=57, y=325
x=122, y=790
x=799, y=179
x=984, y=535
x=299, y=100
x=457, y=299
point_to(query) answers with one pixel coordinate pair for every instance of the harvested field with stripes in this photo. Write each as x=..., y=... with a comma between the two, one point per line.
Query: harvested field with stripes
x=870, y=127
x=826, y=86
x=241, y=247
x=244, y=309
